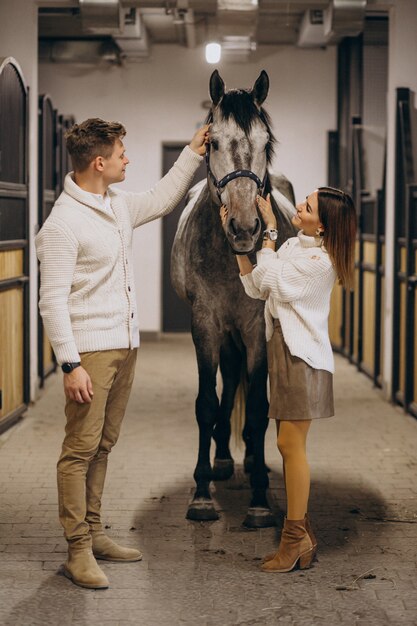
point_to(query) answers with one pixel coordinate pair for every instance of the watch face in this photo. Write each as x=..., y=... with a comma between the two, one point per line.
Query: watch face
x=271, y=234
x=68, y=367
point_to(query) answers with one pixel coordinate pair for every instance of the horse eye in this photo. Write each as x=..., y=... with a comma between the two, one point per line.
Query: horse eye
x=214, y=144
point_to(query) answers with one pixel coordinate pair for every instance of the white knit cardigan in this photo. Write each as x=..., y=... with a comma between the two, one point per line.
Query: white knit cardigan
x=87, y=293
x=296, y=282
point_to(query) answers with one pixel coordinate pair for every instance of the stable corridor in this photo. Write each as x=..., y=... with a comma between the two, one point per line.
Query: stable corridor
x=363, y=505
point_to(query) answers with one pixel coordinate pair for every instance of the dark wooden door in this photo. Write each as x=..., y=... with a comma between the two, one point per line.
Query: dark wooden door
x=405, y=259
x=14, y=261
x=176, y=314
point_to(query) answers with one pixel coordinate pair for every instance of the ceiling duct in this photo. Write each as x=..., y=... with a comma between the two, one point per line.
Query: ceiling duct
x=342, y=18
x=101, y=17
x=133, y=41
x=311, y=33
x=85, y=52
x=237, y=22
x=185, y=24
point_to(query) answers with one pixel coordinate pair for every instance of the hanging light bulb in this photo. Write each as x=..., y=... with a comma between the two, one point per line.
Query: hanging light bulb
x=213, y=52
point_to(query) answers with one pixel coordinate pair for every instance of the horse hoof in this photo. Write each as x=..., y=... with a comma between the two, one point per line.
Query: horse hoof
x=223, y=469
x=259, y=517
x=202, y=510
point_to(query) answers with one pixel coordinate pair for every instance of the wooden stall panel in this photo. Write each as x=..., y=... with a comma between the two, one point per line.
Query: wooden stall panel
x=368, y=322
x=415, y=351
x=11, y=264
x=368, y=308
x=382, y=333
x=401, y=338
x=356, y=318
x=11, y=355
x=348, y=321
x=369, y=252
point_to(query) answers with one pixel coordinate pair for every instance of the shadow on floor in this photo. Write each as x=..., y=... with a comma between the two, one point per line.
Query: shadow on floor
x=337, y=512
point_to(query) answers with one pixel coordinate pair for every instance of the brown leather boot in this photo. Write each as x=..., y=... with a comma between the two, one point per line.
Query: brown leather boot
x=81, y=567
x=106, y=549
x=295, y=547
x=312, y=536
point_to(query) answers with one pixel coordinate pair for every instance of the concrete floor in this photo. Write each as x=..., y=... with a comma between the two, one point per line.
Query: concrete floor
x=363, y=507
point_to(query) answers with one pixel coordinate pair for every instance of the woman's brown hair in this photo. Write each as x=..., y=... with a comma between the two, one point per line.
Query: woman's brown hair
x=338, y=216
x=92, y=138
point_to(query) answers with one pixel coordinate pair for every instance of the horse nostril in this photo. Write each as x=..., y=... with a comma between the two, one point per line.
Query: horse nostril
x=257, y=226
x=232, y=226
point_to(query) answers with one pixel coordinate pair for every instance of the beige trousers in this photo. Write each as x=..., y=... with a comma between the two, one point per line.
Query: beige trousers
x=91, y=432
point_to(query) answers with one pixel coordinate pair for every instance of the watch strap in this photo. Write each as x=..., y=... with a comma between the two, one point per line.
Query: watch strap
x=68, y=367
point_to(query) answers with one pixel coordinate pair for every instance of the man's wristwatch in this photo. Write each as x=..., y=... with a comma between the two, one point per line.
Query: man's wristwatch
x=68, y=367
x=271, y=233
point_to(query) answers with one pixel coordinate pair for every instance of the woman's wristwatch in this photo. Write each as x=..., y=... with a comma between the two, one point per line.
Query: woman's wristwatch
x=271, y=233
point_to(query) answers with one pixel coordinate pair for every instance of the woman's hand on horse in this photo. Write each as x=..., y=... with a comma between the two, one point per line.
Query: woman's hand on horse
x=223, y=214
x=265, y=209
x=198, y=142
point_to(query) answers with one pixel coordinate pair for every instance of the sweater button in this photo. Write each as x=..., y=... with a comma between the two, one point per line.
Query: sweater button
x=128, y=287
x=132, y=315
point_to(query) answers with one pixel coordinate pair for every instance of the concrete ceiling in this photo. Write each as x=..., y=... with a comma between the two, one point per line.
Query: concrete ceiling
x=240, y=25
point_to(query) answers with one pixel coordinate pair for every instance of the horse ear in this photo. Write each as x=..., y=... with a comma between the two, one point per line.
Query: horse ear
x=261, y=88
x=216, y=87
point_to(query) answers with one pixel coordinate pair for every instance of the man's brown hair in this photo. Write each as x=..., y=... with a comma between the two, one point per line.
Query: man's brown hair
x=92, y=138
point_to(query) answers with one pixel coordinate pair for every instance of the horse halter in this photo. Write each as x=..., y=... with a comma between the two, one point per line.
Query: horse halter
x=220, y=184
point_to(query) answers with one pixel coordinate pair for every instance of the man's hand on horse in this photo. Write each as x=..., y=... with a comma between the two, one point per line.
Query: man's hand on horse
x=223, y=214
x=198, y=142
x=265, y=209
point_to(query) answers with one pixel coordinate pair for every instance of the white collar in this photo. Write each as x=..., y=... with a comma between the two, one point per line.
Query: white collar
x=306, y=241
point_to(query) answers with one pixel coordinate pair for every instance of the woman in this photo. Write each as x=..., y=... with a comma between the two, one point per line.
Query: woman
x=296, y=283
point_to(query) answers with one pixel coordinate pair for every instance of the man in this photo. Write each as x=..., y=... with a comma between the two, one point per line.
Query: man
x=88, y=306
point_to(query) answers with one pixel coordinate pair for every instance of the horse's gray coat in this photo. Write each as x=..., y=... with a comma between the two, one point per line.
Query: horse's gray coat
x=228, y=326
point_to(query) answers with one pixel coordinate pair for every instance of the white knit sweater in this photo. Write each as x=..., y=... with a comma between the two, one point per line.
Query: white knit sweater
x=296, y=282
x=87, y=293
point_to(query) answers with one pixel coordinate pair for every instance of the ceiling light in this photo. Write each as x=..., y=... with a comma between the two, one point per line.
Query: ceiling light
x=213, y=52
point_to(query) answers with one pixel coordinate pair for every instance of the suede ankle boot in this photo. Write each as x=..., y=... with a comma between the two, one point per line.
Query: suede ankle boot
x=312, y=536
x=81, y=567
x=106, y=549
x=295, y=548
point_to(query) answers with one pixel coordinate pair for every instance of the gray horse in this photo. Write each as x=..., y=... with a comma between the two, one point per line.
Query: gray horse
x=227, y=326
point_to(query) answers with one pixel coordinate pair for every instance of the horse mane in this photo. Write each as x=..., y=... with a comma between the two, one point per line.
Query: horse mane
x=240, y=106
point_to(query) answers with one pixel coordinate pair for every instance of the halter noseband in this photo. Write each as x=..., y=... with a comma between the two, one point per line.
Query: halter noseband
x=220, y=184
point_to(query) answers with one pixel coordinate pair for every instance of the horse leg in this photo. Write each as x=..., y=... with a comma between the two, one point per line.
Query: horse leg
x=248, y=460
x=259, y=514
x=207, y=408
x=230, y=367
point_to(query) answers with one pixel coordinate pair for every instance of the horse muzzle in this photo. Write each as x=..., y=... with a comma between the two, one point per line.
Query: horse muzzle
x=241, y=244
x=243, y=240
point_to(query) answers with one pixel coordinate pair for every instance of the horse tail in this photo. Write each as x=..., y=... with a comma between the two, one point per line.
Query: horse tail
x=238, y=415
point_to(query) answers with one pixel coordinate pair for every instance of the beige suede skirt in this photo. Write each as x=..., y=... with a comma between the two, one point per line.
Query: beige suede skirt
x=297, y=391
